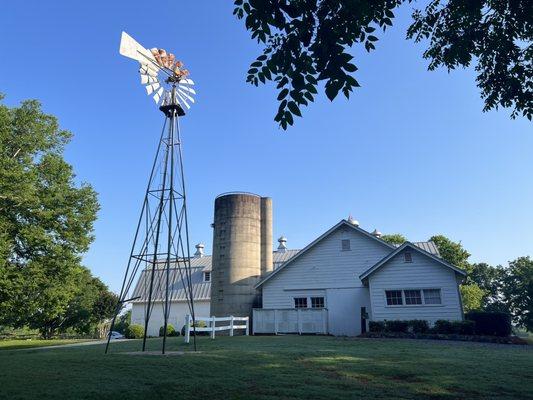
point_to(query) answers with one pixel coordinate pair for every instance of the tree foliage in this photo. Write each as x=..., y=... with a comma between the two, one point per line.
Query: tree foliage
x=472, y=297
x=450, y=251
x=394, y=238
x=308, y=42
x=518, y=291
x=46, y=222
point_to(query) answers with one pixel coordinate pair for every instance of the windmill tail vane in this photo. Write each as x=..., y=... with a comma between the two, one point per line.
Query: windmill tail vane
x=160, y=73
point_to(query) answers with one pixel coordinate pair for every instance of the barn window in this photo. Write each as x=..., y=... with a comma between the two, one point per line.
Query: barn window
x=407, y=257
x=432, y=296
x=345, y=244
x=394, y=297
x=207, y=276
x=300, y=302
x=412, y=297
x=317, y=302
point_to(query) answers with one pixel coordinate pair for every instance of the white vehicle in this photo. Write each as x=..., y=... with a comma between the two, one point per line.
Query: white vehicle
x=116, y=335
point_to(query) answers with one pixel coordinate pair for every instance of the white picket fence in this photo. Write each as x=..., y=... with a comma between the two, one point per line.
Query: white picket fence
x=212, y=328
x=291, y=320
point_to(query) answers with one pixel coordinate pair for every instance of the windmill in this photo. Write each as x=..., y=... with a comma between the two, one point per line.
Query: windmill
x=161, y=241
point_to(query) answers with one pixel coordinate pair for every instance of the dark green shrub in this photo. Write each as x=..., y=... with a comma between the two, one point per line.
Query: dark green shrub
x=454, y=327
x=418, y=326
x=376, y=326
x=198, y=324
x=490, y=323
x=396, y=326
x=170, y=330
x=463, y=327
x=443, y=326
x=134, y=332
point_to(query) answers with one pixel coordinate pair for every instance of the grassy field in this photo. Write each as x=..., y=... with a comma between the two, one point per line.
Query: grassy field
x=30, y=343
x=280, y=367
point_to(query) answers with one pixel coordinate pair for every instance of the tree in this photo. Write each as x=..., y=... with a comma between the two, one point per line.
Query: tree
x=489, y=279
x=46, y=219
x=124, y=320
x=472, y=296
x=395, y=238
x=92, y=304
x=307, y=42
x=450, y=251
x=518, y=291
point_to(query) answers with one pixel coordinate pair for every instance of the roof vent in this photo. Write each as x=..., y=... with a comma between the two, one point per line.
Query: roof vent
x=282, y=248
x=199, y=250
x=353, y=221
x=376, y=233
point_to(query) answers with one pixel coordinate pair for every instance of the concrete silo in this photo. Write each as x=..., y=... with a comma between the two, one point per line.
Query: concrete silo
x=242, y=251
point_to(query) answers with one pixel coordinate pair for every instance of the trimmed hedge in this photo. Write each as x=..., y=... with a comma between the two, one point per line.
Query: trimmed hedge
x=134, y=332
x=453, y=327
x=490, y=323
x=398, y=326
x=170, y=331
x=418, y=326
x=452, y=336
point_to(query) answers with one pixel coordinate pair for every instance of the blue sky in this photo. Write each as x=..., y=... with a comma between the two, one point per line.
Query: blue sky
x=410, y=152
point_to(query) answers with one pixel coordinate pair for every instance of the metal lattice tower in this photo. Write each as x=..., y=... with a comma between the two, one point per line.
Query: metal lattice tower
x=161, y=241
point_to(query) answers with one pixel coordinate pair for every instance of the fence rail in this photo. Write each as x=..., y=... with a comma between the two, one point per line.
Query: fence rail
x=212, y=328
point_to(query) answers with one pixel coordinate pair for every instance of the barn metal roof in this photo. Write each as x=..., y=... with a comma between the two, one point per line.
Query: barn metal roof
x=201, y=289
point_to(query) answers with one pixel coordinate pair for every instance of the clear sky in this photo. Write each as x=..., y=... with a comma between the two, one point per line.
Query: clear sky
x=410, y=152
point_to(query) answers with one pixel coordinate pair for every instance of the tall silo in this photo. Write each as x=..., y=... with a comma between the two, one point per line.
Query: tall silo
x=242, y=236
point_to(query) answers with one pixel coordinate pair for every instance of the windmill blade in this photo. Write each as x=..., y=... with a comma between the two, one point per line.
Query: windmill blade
x=187, y=89
x=158, y=95
x=152, y=88
x=145, y=70
x=183, y=100
x=147, y=79
x=130, y=48
x=186, y=81
x=185, y=95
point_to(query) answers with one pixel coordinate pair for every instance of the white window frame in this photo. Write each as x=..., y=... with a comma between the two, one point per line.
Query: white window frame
x=205, y=274
x=300, y=297
x=393, y=290
x=309, y=302
x=421, y=289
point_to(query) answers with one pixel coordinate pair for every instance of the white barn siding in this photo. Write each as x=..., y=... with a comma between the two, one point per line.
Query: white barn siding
x=178, y=311
x=326, y=270
x=344, y=310
x=422, y=273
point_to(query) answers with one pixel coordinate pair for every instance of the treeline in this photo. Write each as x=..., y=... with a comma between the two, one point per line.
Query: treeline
x=490, y=288
x=46, y=224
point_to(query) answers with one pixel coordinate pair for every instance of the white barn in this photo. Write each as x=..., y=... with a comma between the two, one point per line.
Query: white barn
x=353, y=276
x=201, y=284
x=335, y=285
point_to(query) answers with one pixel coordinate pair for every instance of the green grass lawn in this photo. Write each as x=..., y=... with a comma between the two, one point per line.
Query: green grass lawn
x=279, y=367
x=12, y=344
